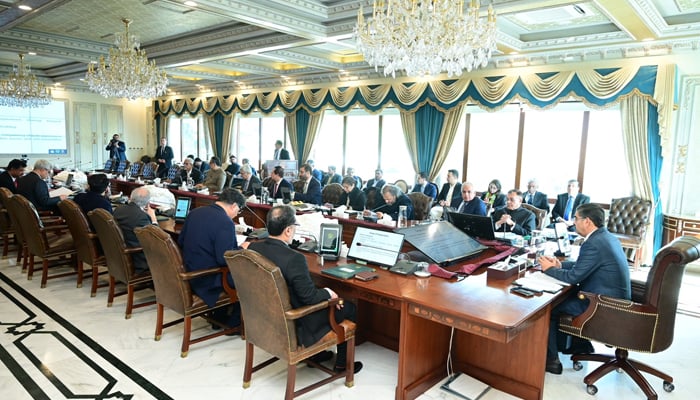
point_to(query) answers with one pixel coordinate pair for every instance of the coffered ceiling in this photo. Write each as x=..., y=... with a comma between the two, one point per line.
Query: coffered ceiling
x=228, y=45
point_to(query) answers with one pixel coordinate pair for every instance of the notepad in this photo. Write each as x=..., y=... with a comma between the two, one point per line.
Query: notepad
x=346, y=271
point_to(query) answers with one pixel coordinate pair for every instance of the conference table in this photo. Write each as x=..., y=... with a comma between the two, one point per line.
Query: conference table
x=493, y=335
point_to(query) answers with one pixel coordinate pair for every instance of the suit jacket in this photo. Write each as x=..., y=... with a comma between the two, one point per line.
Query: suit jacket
x=247, y=190
x=313, y=193
x=89, y=201
x=128, y=217
x=167, y=155
x=196, y=176
x=283, y=183
x=6, y=181
x=302, y=290
x=215, y=180
x=335, y=178
x=524, y=220
x=560, y=206
x=284, y=154
x=316, y=173
x=601, y=268
x=206, y=235
x=117, y=150
x=393, y=209
x=35, y=190
x=475, y=206
x=539, y=200
x=375, y=183
x=456, y=195
x=233, y=169
x=428, y=189
x=357, y=199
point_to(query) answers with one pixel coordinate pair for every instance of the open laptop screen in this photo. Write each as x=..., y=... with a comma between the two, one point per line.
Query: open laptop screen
x=375, y=246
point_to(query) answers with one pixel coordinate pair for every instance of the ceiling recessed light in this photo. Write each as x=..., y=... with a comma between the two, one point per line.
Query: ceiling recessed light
x=190, y=4
x=24, y=7
x=31, y=53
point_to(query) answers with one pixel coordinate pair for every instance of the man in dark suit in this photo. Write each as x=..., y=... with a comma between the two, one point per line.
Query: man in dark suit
x=535, y=198
x=278, y=182
x=281, y=225
x=350, y=171
x=245, y=161
x=563, y=210
x=164, y=158
x=601, y=268
x=512, y=217
x=33, y=186
x=280, y=153
x=136, y=214
x=352, y=196
x=116, y=148
x=451, y=192
x=15, y=169
x=94, y=197
x=377, y=181
x=471, y=203
x=424, y=186
x=311, y=192
x=207, y=234
x=332, y=176
x=393, y=199
x=188, y=171
x=248, y=181
x=233, y=168
x=316, y=173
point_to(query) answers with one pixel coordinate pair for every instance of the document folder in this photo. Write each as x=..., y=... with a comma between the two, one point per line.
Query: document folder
x=346, y=271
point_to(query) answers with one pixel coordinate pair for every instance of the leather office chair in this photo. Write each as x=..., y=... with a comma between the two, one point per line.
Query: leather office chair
x=331, y=193
x=628, y=221
x=644, y=324
x=421, y=205
x=298, y=186
x=7, y=230
x=270, y=325
x=540, y=215
x=119, y=261
x=371, y=194
x=172, y=285
x=54, y=250
x=402, y=184
x=86, y=242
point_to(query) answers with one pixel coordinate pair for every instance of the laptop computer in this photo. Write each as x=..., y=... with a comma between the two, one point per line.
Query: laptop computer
x=182, y=208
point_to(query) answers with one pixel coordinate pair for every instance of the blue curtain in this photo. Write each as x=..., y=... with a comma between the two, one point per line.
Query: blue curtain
x=218, y=135
x=655, y=161
x=429, y=122
x=160, y=120
x=302, y=124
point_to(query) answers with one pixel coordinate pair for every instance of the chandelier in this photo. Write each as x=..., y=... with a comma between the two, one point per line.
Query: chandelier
x=426, y=37
x=22, y=89
x=129, y=73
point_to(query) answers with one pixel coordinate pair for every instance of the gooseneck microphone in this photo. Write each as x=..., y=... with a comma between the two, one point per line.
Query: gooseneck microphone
x=379, y=208
x=255, y=215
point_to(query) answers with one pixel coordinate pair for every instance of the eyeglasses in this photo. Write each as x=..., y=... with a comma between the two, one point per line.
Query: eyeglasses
x=577, y=218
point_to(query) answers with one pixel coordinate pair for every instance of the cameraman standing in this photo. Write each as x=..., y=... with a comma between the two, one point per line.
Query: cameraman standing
x=116, y=148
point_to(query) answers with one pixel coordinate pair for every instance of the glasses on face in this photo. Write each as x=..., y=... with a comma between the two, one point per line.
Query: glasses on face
x=577, y=218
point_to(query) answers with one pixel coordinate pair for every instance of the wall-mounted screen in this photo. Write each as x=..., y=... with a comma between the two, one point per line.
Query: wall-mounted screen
x=39, y=130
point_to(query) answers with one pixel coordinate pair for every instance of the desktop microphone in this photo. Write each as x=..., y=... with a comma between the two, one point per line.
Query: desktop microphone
x=312, y=245
x=260, y=233
x=379, y=208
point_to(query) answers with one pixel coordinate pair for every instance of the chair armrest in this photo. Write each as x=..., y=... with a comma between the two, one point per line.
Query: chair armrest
x=51, y=228
x=231, y=291
x=130, y=250
x=297, y=313
x=198, y=274
x=599, y=304
x=639, y=289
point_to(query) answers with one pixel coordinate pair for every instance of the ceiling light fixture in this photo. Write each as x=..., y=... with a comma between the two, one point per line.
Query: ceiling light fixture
x=426, y=37
x=23, y=89
x=190, y=3
x=129, y=73
x=25, y=7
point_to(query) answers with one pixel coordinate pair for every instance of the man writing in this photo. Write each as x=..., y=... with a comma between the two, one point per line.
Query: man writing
x=512, y=217
x=281, y=225
x=116, y=148
x=311, y=192
x=164, y=157
x=33, y=186
x=394, y=198
x=601, y=268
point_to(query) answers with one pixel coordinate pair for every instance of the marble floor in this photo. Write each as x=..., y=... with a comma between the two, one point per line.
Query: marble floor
x=58, y=342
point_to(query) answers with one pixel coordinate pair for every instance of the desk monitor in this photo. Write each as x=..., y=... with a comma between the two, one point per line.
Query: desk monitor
x=477, y=226
x=441, y=242
x=375, y=246
x=329, y=247
x=286, y=195
x=182, y=208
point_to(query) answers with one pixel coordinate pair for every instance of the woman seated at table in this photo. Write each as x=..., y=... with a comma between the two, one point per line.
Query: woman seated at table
x=493, y=196
x=353, y=198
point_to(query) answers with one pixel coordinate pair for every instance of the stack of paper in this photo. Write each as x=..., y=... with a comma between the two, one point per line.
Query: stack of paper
x=540, y=282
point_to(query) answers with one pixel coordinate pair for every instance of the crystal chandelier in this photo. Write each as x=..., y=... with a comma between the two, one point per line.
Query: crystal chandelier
x=129, y=73
x=22, y=89
x=426, y=37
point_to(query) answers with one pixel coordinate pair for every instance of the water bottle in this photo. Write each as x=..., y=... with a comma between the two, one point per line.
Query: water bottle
x=401, y=220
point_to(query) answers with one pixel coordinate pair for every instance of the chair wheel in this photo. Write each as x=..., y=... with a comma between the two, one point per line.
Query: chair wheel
x=578, y=366
x=591, y=389
x=668, y=386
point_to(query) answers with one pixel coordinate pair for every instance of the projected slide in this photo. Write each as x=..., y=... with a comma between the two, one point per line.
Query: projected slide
x=33, y=130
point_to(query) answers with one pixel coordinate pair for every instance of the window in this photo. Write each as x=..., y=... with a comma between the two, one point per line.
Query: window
x=362, y=144
x=248, y=140
x=186, y=136
x=328, y=147
x=272, y=130
x=396, y=160
x=606, y=173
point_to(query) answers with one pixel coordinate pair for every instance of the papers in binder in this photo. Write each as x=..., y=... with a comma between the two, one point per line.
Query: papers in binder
x=540, y=282
x=60, y=192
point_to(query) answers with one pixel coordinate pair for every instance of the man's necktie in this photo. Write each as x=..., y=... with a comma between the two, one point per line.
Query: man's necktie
x=306, y=186
x=529, y=199
x=16, y=183
x=245, y=186
x=462, y=207
x=569, y=207
x=275, y=192
x=277, y=154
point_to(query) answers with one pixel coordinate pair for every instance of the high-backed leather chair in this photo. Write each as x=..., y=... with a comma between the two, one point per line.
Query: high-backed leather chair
x=53, y=250
x=149, y=170
x=86, y=242
x=7, y=230
x=270, y=325
x=402, y=184
x=331, y=193
x=119, y=261
x=540, y=215
x=644, y=324
x=628, y=221
x=172, y=285
x=421, y=205
x=298, y=186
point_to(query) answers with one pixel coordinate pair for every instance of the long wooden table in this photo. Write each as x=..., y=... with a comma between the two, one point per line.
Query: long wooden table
x=499, y=337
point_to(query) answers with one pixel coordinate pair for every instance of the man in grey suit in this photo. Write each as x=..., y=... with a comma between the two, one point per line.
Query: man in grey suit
x=281, y=225
x=601, y=268
x=136, y=214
